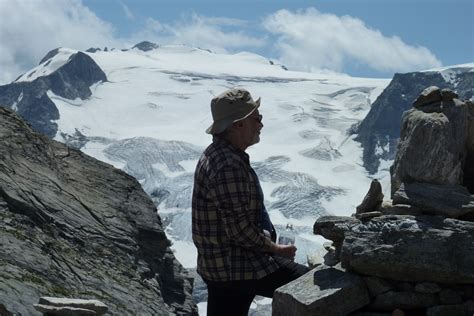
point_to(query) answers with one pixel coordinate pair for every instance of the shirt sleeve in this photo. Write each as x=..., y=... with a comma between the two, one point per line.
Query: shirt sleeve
x=231, y=192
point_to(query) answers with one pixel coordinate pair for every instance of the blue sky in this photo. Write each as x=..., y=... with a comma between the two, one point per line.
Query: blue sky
x=368, y=38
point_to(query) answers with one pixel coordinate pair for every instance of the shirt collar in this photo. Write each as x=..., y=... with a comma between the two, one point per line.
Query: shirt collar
x=223, y=142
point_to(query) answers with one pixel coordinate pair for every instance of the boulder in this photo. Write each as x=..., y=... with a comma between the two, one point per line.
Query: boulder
x=414, y=249
x=404, y=300
x=373, y=199
x=333, y=227
x=439, y=137
x=428, y=96
x=377, y=286
x=436, y=199
x=427, y=287
x=444, y=310
x=64, y=310
x=322, y=291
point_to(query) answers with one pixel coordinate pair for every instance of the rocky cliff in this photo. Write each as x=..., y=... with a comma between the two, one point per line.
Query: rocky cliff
x=72, y=226
x=378, y=133
x=414, y=254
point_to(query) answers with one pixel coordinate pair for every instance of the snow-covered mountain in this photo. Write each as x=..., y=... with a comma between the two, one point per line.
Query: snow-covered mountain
x=148, y=113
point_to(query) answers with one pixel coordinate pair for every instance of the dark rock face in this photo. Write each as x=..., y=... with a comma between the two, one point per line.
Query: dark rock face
x=70, y=81
x=381, y=127
x=146, y=46
x=72, y=226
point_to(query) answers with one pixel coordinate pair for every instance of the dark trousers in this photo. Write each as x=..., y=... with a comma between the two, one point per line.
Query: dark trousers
x=233, y=298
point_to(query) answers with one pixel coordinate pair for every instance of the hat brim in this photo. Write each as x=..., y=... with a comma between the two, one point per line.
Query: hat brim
x=218, y=127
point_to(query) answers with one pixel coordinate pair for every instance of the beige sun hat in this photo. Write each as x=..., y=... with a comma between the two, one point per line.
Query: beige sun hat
x=231, y=106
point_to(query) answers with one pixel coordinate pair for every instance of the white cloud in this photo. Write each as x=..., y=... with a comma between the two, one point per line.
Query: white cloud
x=128, y=13
x=310, y=40
x=215, y=33
x=31, y=28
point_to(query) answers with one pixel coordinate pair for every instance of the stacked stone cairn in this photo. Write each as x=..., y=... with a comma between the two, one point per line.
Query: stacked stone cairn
x=414, y=254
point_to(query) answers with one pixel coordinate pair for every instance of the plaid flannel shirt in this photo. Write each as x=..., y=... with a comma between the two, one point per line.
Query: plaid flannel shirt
x=226, y=217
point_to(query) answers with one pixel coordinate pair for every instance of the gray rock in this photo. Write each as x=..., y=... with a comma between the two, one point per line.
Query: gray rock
x=368, y=215
x=427, y=287
x=469, y=166
x=332, y=257
x=404, y=300
x=322, y=291
x=440, y=138
x=466, y=291
x=377, y=286
x=370, y=314
x=413, y=249
x=448, y=95
x=333, y=227
x=469, y=305
x=428, y=96
x=405, y=287
x=93, y=305
x=446, y=200
x=372, y=200
x=388, y=208
x=445, y=310
x=63, y=310
x=72, y=226
x=449, y=297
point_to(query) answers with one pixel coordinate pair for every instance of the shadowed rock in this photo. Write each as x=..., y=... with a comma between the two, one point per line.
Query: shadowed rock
x=373, y=199
x=447, y=200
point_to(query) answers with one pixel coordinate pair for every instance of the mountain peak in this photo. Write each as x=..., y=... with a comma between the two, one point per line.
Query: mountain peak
x=146, y=46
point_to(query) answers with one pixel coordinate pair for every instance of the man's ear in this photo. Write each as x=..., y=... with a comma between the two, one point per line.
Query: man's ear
x=238, y=124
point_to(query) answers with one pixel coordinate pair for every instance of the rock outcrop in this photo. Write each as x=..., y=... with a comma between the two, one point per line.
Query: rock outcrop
x=72, y=226
x=415, y=254
x=29, y=98
x=378, y=133
x=436, y=129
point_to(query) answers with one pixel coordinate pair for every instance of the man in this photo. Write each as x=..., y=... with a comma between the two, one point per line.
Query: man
x=237, y=254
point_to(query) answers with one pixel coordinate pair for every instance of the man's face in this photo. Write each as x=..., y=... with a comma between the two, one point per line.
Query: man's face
x=252, y=127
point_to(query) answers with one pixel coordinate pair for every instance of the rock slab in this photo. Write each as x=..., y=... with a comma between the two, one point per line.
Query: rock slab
x=414, y=249
x=320, y=292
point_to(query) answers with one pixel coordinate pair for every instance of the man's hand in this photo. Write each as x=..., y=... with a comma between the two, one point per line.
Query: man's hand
x=287, y=251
